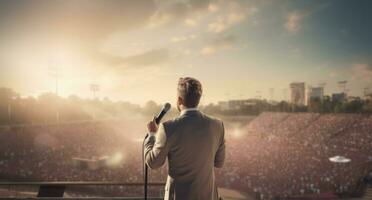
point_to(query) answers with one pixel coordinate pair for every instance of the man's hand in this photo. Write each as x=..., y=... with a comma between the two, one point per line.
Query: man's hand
x=152, y=126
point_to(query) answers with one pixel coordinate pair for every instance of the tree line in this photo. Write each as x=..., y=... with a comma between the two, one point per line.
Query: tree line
x=316, y=105
x=50, y=108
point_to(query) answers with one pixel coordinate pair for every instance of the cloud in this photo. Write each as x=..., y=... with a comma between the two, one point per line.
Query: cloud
x=216, y=15
x=191, y=22
x=169, y=14
x=218, y=44
x=172, y=13
x=149, y=58
x=200, y=4
x=333, y=74
x=362, y=71
x=218, y=26
x=294, y=20
x=83, y=23
x=183, y=38
x=232, y=15
x=208, y=50
x=142, y=59
x=225, y=22
x=89, y=24
x=83, y=19
x=213, y=7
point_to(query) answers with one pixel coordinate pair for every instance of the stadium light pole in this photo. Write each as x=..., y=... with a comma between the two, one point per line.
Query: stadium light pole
x=54, y=72
x=285, y=94
x=366, y=92
x=342, y=85
x=271, y=92
x=10, y=109
x=227, y=96
x=323, y=85
x=258, y=94
x=94, y=88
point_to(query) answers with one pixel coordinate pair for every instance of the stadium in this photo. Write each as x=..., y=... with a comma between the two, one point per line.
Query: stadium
x=271, y=156
x=185, y=99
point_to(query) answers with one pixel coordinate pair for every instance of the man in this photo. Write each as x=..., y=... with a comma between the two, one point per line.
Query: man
x=194, y=144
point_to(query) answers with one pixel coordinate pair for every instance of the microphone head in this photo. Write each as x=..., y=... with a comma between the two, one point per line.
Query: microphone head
x=166, y=107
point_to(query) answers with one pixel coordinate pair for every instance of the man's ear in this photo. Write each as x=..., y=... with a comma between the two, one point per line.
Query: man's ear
x=180, y=101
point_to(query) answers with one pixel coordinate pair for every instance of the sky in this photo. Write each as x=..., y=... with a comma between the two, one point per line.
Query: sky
x=137, y=50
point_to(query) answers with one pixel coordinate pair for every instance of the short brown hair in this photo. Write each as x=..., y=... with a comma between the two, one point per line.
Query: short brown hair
x=190, y=90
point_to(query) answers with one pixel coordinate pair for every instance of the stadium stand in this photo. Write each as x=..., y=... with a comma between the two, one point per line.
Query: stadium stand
x=275, y=156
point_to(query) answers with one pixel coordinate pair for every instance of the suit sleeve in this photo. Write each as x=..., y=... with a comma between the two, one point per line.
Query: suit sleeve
x=156, y=149
x=219, y=158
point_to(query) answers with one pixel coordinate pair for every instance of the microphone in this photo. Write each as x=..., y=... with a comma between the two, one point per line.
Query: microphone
x=165, y=109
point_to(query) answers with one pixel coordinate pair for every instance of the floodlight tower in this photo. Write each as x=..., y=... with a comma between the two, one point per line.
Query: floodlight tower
x=258, y=94
x=285, y=94
x=11, y=99
x=53, y=71
x=308, y=94
x=271, y=93
x=342, y=85
x=227, y=96
x=366, y=92
x=94, y=88
x=323, y=85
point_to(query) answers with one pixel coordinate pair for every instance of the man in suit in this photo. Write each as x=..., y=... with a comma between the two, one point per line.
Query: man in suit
x=194, y=144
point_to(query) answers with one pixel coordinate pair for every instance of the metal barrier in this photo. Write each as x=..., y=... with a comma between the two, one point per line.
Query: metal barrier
x=59, y=187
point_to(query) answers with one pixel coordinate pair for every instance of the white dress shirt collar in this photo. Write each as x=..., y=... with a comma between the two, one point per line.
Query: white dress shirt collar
x=184, y=111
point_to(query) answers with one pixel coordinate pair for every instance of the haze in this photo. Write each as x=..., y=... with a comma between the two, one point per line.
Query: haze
x=137, y=50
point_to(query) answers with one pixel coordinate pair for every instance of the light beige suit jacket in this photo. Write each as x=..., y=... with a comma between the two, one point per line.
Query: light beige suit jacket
x=194, y=144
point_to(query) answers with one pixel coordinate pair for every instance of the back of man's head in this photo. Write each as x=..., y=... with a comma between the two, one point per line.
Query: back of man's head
x=190, y=91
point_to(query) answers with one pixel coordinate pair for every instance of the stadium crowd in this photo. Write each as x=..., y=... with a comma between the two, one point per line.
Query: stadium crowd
x=277, y=155
x=282, y=155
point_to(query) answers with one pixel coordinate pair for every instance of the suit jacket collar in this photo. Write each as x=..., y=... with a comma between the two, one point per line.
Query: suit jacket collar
x=188, y=111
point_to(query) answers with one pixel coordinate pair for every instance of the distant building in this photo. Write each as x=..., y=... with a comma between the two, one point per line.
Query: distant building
x=315, y=93
x=353, y=98
x=339, y=97
x=237, y=104
x=297, y=93
x=224, y=105
x=368, y=96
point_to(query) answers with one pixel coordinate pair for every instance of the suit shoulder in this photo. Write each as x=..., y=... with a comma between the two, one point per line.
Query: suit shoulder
x=170, y=126
x=216, y=123
x=212, y=118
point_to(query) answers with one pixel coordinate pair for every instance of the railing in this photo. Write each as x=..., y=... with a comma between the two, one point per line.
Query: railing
x=59, y=187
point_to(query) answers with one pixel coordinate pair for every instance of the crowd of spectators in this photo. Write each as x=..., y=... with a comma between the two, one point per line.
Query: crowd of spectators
x=276, y=155
x=49, y=153
x=281, y=155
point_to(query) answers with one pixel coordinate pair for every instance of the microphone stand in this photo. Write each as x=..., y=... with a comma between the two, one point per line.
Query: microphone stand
x=145, y=168
x=146, y=180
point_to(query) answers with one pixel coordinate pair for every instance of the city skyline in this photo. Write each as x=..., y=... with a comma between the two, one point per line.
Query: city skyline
x=136, y=50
